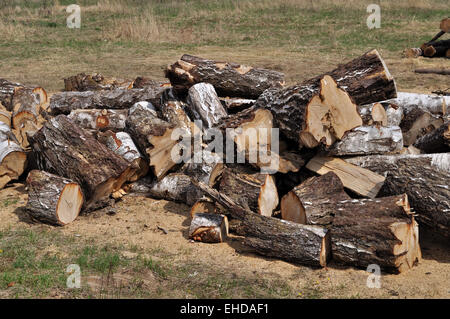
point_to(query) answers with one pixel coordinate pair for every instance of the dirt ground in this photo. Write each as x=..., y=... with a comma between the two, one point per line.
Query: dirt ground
x=138, y=221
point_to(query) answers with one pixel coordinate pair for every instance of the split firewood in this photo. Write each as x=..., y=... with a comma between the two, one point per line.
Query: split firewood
x=209, y=228
x=437, y=141
x=234, y=105
x=65, y=102
x=319, y=110
x=314, y=201
x=252, y=134
x=381, y=114
x=229, y=79
x=153, y=137
x=9, y=89
x=203, y=205
x=424, y=178
x=174, y=112
x=204, y=105
x=13, y=159
x=202, y=168
x=418, y=122
x=379, y=231
x=122, y=144
x=93, y=82
x=413, y=52
x=63, y=148
x=360, y=180
x=365, y=140
x=436, y=48
x=269, y=236
x=250, y=189
x=52, y=198
x=102, y=120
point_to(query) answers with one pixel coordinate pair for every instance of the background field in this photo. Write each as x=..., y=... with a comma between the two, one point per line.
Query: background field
x=125, y=254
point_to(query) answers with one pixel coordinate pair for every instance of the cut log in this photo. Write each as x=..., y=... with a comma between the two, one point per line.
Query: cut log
x=153, y=137
x=13, y=159
x=424, y=178
x=94, y=82
x=361, y=181
x=436, y=48
x=102, y=120
x=234, y=105
x=5, y=116
x=269, y=236
x=122, y=144
x=413, y=52
x=175, y=187
x=53, y=199
x=433, y=104
x=63, y=148
x=445, y=25
x=250, y=189
x=379, y=231
x=143, y=82
x=229, y=79
x=65, y=102
x=174, y=112
x=203, y=205
x=416, y=123
x=320, y=108
x=437, y=141
x=209, y=228
x=204, y=105
x=314, y=201
x=384, y=114
x=202, y=168
x=365, y=140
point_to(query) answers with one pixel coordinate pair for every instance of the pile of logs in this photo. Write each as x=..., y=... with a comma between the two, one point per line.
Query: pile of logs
x=359, y=166
x=434, y=48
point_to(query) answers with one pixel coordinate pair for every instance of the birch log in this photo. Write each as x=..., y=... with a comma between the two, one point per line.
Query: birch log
x=102, y=120
x=13, y=159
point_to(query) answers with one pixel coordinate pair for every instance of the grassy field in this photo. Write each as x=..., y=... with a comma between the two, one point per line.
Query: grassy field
x=125, y=255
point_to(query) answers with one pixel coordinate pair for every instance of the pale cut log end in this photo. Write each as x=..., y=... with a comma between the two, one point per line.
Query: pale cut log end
x=12, y=166
x=203, y=205
x=387, y=74
x=69, y=203
x=292, y=209
x=268, y=197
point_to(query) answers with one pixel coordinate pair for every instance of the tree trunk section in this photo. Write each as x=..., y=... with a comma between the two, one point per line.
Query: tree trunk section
x=379, y=231
x=366, y=140
x=209, y=228
x=53, y=199
x=94, y=82
x=229, y=79
x=102, y=120
x=13, y=159
x=314, y=201
x=65, y=149
x=424, y=178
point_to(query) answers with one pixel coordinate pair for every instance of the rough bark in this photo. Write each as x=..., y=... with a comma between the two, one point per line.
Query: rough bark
x=13, y=159
x=153, y=137
x=234, y=105
x=204, y=105
x=314, y=201
x=437, y=141
x=269, y=236
x=424, y=178
x=102, y=120
x=174, y=112
x=65, y=102
x=94, y=82
x=202, y=168
x=417, y=123
x=379, y=231
x=360, y=180
x=229, y=79
x=122, y=144
x=433, y=104
x=365, y=80
x=63, y=148
x=250, y=189
x=53, y=199
x=9, y=89
x=209, y=228
x=366, y=140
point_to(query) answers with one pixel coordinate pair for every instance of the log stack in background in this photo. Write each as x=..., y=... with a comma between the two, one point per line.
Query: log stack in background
x=310, y=203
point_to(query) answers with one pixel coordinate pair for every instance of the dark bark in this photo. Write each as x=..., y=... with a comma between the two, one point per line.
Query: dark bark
x=437, y=141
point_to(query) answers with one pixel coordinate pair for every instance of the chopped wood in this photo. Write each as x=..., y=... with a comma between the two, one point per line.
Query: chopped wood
x=204, y=105
x=361, y=181
x=209, y=228
x=202, y=168
x=93, y=82
x=417, y=123
x=234, y=105
x=304, y=115
x=63, y=148
x=153, y=137
x=229, y=79
x=313, y=202
x=365, y=140
x=424, y=178
x=250, y=189
x=13, y=159
x=65, y=102
x=53, y=199
x=269, y=236
x=174, y=112
x=203, y=205
x=437, y=141
x=102, y=120
x=378, y=231
x=381, y=114
x=433, y=104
